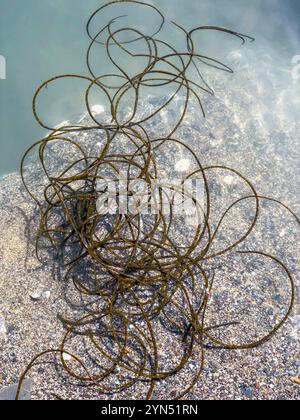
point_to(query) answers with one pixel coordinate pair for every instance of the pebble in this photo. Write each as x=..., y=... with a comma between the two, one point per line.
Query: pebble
x=11, y=329
x=3, y=329
x=35, y=296
x=182, y=165
x=215, y=366
x=47, y=294
x=282, y=233
x=67, y=357
x=247, y=392
x=173, y=394
x=277, y=298
x=296, y=380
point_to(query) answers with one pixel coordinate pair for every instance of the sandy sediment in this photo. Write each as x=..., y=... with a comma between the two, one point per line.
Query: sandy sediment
x=252, y=292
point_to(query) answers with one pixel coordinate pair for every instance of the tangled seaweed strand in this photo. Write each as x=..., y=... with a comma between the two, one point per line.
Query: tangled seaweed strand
x=130, y=263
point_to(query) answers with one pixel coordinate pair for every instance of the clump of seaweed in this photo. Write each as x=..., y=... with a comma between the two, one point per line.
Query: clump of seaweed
x=131, y=263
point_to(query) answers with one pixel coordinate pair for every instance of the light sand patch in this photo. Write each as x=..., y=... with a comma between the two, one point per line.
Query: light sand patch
x=12, y=244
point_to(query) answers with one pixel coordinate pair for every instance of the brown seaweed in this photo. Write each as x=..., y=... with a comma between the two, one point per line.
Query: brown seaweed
x=135, y=258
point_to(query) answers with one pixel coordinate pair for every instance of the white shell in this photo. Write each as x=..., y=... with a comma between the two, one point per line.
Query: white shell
x=183, y=165
x=35, y=296
x=97, y=109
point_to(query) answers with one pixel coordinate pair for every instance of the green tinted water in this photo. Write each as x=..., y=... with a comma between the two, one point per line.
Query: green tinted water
x=40, y=39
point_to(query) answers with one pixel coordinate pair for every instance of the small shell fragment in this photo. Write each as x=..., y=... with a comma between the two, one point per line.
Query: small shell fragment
x=47, y=294
x=296, y=380
x=35, y=296
x=183, y=165
x=67, y=357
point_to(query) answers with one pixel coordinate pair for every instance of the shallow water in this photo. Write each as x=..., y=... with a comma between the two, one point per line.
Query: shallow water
x=43, y=39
